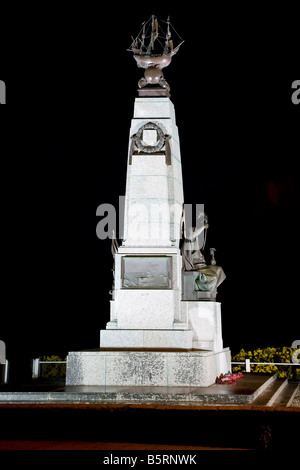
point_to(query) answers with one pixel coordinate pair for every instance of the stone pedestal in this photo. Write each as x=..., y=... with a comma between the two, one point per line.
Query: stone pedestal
x=142, y=314
x=145, y=312
x=193, y=356
x=146, y=368
x=160, y=332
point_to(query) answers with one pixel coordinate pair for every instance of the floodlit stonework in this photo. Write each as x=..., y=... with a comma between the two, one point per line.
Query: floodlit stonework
x=165, y=324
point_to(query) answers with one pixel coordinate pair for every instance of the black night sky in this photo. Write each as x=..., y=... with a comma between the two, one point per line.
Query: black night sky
x=71, y=86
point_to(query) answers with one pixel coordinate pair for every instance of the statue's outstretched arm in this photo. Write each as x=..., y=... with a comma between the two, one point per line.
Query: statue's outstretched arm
x=191, y=234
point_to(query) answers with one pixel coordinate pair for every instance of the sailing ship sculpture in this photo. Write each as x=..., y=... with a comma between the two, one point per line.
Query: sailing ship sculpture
x=153, y=49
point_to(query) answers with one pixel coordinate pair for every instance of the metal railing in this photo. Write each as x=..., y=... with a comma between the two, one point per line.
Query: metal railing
x=5, y=372
x=247, y=363
x=36, y=366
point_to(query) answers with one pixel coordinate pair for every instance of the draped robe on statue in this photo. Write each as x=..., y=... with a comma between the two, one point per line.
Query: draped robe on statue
x=209, y=277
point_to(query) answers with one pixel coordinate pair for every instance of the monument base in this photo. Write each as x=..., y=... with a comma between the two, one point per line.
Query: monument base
x=146, y=339
x=146, y=368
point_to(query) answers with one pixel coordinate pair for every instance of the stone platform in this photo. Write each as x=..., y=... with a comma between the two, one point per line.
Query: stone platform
x=146, y=368
x=219, y=416
x=245, y=391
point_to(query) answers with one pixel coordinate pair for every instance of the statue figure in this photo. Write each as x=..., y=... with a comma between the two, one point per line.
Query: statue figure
x=209, y=276
x=212, y=254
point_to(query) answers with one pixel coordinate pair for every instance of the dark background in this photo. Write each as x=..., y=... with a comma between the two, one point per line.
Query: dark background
x=71, y=86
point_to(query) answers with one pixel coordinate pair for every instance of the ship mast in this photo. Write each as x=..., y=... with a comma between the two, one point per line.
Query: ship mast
x=168, y=43
x=154, y=35
x=143, y=38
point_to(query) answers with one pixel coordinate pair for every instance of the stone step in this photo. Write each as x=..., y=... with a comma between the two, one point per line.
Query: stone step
x=275, y=398
x=266, y=396
x=286, y=394
x=278, y=392
x=294, y=400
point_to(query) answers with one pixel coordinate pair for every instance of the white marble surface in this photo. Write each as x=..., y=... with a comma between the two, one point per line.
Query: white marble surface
x=204, y=318
x=154, y=108
x=146, y=339
x=134, y=368
x=153, y=189
x=147, y=308
x=145, y=250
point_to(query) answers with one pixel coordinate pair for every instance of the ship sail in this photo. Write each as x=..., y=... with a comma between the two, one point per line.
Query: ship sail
x=154, y=39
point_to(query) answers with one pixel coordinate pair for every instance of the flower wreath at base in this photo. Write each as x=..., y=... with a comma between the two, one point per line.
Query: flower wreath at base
x=229, y=378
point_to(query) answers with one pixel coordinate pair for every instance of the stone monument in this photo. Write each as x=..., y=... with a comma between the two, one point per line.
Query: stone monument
x=165, y=323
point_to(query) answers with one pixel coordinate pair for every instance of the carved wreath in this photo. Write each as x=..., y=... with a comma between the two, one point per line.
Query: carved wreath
x=142, y=146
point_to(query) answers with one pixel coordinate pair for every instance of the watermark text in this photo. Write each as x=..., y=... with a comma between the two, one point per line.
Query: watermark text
x=296, y=94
